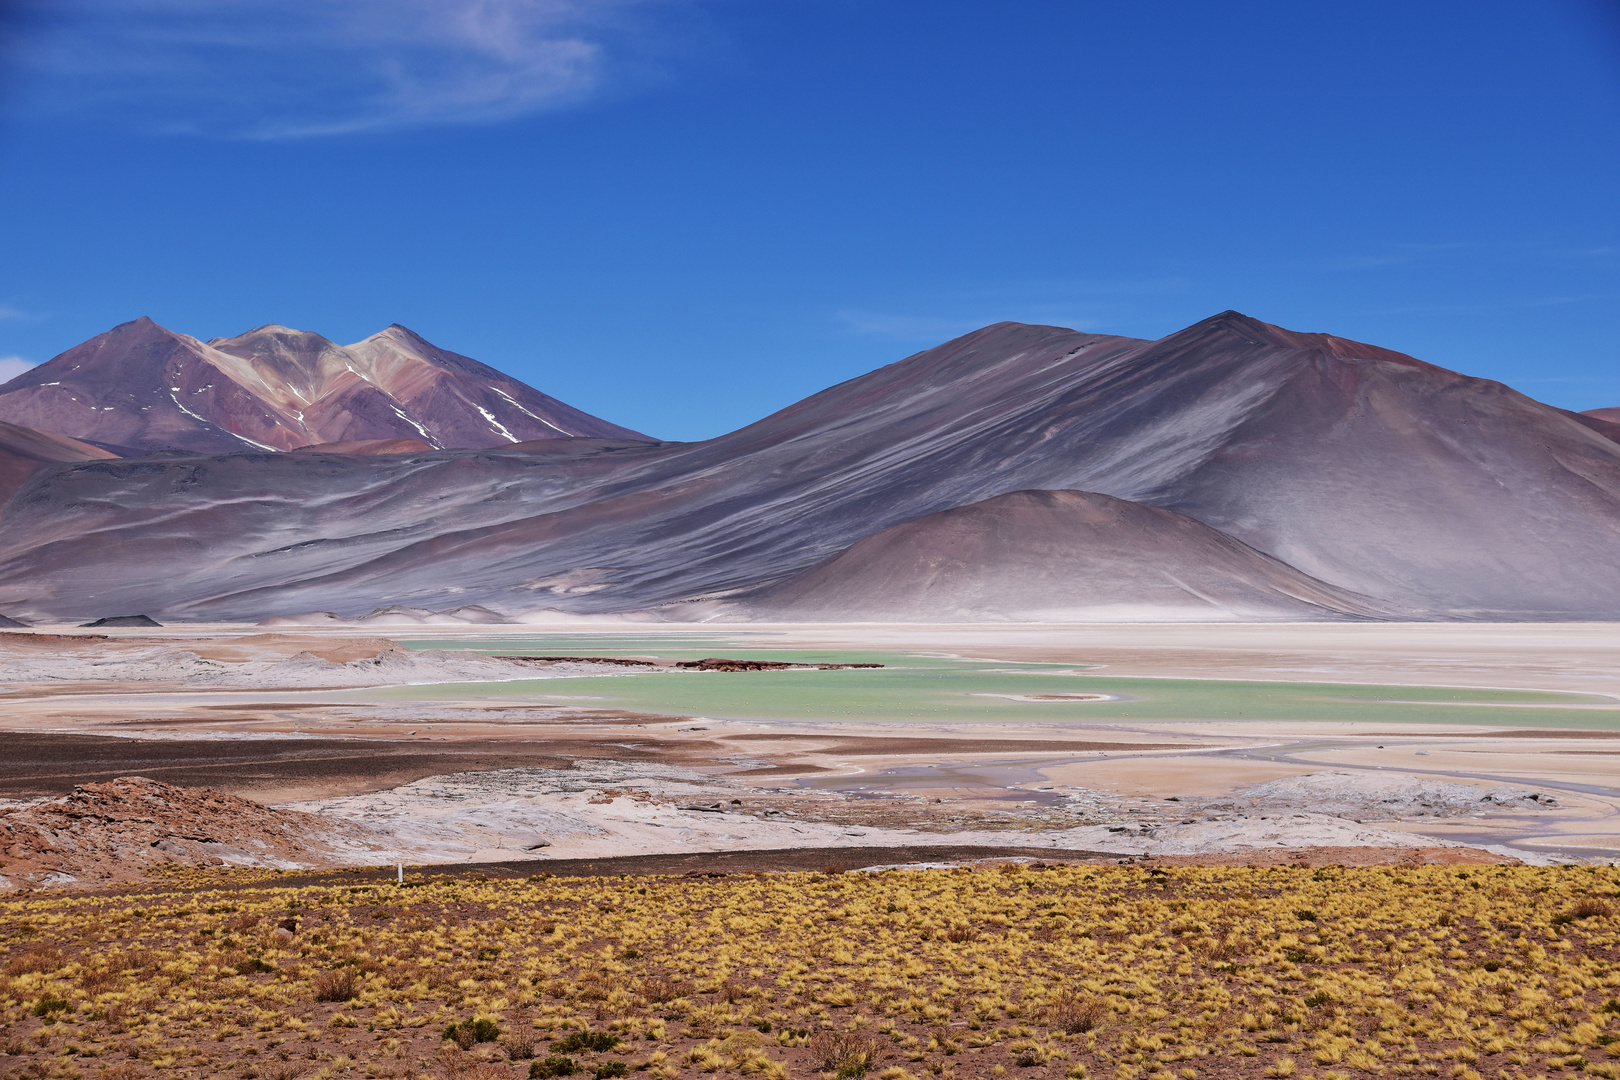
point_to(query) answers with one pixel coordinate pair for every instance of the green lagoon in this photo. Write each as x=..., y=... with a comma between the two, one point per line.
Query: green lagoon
x=933, y=688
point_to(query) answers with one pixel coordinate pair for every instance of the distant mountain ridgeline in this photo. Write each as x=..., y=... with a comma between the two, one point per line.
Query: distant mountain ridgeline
x=1232, y=470
x=140, y=387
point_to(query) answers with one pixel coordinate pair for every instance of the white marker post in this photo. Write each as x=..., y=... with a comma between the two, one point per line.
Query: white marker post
x=402, y=873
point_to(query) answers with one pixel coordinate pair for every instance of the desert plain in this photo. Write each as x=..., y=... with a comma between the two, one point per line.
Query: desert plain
x=1130, y=851
x=427, y=745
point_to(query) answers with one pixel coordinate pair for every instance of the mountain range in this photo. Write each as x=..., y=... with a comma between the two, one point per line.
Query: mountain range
x=141, y=387
x=1232, y=470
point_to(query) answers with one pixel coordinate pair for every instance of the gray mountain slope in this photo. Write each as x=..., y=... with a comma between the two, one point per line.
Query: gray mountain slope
x=1438, y=494
x=1049, y=556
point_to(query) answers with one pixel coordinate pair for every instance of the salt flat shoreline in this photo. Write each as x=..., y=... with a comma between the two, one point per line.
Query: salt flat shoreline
x=481, y=779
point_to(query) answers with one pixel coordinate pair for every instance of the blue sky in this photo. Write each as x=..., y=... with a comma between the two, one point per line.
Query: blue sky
x=682, y=215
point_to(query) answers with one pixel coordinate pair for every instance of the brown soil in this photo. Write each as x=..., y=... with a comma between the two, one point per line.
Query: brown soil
x=279, y=769
x=704, y=864
x=117, y=831
x=876, y=746
x=1342, y=856
x=782, y=860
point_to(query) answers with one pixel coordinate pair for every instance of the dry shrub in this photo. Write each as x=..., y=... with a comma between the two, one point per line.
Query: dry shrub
x=95, y=980
x=340, y=985
x=290, y=1070
x=39, y=960
x=519, y=1045
x=484, y=1070
x=662, y=991
x=125, y=1070
x=732, y=992
x=442, y=977
x=1223, y=952
x=958, y=934
x=1591, y=908
x=833, y=869
x=402, y=975
x=1028, y=1053
x=595, y=988
x=847, y=1053
x=143, y=960
x=1076, y=1015
x=245, y=921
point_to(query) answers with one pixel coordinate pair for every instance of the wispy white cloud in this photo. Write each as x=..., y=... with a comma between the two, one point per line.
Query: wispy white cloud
x=11, y=313
x=13, y=366
x=276, y=69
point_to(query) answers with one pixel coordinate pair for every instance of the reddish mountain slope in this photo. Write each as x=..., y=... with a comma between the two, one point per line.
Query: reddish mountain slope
x=1050, y=556
x=460, y=400
x=145, y=387
x=24, y=452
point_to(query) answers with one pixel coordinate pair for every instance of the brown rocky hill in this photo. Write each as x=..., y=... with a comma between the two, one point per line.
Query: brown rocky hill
x=118, y=830
x=142, y=387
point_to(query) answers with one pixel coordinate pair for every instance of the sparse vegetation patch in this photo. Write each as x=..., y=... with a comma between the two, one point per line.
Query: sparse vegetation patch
x=1084, y=972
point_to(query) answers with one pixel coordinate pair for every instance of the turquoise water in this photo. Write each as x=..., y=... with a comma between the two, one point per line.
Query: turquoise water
x=936, y=689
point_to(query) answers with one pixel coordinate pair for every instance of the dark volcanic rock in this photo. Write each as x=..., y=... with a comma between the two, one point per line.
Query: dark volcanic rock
x=1429, y=492
x=124, y=620
x=145, y=387
x=11, y=624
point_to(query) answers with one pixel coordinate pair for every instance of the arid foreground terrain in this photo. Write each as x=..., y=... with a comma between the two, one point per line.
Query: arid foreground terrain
x=1085, y=970
x=1122, y=853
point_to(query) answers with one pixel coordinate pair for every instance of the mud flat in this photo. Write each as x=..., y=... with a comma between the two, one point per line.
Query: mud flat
x=1124, y=741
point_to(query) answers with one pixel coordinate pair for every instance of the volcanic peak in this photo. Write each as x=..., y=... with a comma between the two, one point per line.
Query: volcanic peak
x=1247, y=329
x=144, y=387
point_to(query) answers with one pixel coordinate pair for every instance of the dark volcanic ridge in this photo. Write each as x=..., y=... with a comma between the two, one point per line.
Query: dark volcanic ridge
x=1230, y=470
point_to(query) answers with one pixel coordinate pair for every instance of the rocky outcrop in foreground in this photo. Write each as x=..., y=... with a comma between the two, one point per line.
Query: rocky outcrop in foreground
x=118, y=830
